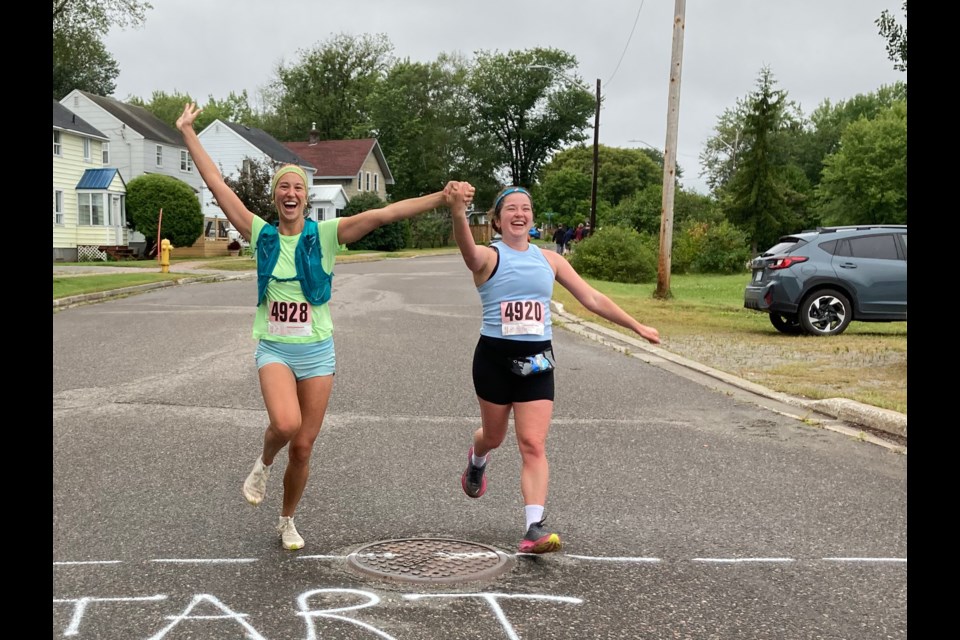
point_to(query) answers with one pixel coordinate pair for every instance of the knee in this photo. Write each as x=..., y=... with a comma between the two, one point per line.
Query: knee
x=491, y=439
x=300, y=452
x=532, y=448
x=286, y=428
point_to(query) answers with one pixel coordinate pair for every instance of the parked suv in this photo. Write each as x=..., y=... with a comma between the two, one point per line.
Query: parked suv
x=818, y=281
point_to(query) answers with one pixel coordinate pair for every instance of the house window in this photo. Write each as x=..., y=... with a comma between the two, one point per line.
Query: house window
x=368, y=181
x=86, y=149
x=92, y=211
x=105, y=152
x=186, y=162
x=159, y=156
x=57, y=206
x=57, y=149
x=359, y=179
x=376, y=182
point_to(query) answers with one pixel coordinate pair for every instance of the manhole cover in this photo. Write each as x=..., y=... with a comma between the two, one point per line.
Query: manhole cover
x=429, y=560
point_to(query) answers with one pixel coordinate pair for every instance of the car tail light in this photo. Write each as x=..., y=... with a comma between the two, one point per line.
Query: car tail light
x=783, y=263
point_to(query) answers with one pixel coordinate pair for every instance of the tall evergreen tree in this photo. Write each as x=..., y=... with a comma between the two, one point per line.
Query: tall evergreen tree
x=758, y=197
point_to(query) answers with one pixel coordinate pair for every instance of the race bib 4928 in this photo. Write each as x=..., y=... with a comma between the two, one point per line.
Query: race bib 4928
x=286, y=318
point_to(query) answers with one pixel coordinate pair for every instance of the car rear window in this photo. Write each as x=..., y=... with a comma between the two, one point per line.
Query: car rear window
x=786, y=245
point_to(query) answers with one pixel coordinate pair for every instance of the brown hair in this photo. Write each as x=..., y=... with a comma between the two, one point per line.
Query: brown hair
x=494, y=213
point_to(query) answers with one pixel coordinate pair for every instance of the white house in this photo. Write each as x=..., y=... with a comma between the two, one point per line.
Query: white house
x=230, y=145
x=89, y=212
x=139, y=142
x=327, y=201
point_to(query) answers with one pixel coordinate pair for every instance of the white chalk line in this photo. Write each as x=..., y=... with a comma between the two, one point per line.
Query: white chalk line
x=446, y=554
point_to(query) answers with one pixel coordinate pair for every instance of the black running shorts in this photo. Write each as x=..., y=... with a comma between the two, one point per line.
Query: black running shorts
x=495, y=382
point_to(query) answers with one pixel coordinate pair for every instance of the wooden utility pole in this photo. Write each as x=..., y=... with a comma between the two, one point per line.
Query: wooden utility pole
x=596, y=163
x=670, y=155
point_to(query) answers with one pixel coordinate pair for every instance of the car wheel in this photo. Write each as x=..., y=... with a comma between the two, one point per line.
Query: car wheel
x=789, y=325
x=825, y=313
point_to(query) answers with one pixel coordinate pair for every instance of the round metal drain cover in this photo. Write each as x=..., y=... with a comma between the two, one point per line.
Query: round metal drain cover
x=429, y=560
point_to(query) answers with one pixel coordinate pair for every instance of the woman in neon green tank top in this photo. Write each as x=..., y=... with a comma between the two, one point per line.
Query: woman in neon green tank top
x=295, y=355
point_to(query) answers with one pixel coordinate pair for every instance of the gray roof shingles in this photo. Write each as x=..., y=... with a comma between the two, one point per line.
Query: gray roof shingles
x=139, y=119
x=268, y=144
x=67, y=120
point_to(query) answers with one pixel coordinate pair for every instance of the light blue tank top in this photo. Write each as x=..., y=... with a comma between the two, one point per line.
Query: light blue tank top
x=523, y=278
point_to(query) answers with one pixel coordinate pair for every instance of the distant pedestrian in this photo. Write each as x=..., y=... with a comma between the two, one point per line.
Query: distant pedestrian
x=568, y=239
x=558, y=238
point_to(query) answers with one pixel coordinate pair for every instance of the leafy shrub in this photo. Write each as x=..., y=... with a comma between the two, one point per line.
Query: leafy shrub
x=431, y=229
x=390, y=237
x=709, y=247
x=615, y=254
x=182, y=217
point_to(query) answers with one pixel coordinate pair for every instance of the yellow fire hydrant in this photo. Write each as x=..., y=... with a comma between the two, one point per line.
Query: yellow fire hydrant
x=165, y=248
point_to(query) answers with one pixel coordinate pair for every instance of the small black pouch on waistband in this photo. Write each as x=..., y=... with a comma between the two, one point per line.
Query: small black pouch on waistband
x=532, y=365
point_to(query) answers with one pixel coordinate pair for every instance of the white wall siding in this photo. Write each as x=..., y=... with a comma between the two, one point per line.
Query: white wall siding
x=228, y=151
x=130, y=153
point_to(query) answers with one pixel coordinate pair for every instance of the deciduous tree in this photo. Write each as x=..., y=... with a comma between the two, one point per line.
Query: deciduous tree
x=896, y=36
x=80, y=60
x=252, y=186
x=865, y=181
x=527, y=107
x=329, y=87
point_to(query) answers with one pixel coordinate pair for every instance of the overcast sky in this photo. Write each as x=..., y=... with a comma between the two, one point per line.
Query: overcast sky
x=816, y=49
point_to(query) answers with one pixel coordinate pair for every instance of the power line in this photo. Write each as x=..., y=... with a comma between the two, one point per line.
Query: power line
x=626, y=46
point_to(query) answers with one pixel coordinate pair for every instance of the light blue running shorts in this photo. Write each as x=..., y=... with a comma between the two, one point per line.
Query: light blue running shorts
x=304, y=359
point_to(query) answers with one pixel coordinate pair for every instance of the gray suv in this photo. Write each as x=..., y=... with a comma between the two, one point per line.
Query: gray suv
x=818, y=281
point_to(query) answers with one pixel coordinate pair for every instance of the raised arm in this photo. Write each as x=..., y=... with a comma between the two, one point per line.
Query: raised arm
x=353, y=228
x=480, y=259
x=231, y=205
x=595, y=301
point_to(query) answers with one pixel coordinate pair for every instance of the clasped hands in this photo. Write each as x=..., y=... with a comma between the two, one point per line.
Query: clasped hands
x=458, y=191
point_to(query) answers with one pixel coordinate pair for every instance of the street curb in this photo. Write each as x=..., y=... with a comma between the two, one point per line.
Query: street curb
x=857, y=413
x=99, y=296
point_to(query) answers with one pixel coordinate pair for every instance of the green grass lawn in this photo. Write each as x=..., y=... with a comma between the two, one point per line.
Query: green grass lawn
x=66, y=286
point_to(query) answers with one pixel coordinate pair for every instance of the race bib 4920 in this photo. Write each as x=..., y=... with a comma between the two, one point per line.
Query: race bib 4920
x=521, y=317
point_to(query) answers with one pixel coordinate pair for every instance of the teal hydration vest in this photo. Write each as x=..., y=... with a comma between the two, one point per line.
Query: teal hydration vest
x=314, y=281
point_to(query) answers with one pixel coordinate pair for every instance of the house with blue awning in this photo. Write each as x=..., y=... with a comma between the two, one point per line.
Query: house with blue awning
x=89, y=199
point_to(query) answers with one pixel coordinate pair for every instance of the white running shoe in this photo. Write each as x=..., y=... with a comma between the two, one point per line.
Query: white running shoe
x=288, y=534
x=255, y=486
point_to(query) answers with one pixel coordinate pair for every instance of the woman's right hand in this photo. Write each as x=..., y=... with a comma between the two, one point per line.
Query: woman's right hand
x=190, y=113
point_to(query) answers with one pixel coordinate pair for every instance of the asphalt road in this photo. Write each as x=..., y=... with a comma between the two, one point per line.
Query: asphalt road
x=687, y=510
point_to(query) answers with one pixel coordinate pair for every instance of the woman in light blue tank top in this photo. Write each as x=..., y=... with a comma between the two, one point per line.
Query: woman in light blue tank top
x=513, y=365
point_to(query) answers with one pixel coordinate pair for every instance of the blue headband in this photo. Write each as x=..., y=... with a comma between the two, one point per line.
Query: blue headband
x=496, y=205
